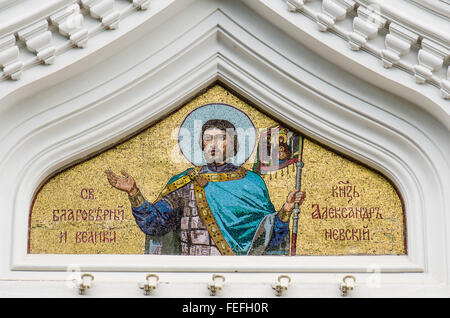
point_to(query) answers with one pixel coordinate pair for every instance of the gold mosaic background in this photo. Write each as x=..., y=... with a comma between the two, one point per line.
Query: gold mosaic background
x=147, y=157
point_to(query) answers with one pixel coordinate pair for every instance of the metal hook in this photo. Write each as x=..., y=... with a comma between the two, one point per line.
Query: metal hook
x=151, y=282
x=216, y=284
x=281, y=285
x=347, y=285
x=85, y=283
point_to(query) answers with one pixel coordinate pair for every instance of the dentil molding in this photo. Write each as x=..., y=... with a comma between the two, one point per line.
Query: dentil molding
x=407, y=45
x=36, y=32
x=371, y=19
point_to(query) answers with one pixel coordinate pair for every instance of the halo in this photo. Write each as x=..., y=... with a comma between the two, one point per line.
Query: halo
x=191, y=128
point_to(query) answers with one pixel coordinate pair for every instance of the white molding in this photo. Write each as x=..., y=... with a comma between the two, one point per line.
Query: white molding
x=47, y=125
x=399, y=80
x=333, y=11
x=372, y=15
x=431, y=58
x=365, y=27
x=375, y=15
x=23, y=13
x=296, y=5
x=440, y=7
x=398, y=43
x=9, y=58
x=445, y=85
x=103, y=10
x=141, y=4
x=39, y=40
x=70, y=24
x=68, y=18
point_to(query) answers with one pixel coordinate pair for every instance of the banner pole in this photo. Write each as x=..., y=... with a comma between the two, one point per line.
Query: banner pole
x=296, y=211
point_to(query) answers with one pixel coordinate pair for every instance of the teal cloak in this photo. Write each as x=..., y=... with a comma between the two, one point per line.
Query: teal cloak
x=242, y=210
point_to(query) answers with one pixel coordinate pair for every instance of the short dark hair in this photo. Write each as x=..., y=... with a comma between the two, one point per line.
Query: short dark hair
x=223, y=125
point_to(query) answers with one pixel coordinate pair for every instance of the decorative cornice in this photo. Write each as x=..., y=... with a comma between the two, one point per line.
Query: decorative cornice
x=404, y=42
x=401, y=39
x=38, y=35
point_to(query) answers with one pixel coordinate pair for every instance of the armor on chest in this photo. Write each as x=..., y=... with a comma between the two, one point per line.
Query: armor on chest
x=194, y=236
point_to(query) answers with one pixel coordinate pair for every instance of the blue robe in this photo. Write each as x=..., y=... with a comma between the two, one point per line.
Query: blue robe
x=241, y=208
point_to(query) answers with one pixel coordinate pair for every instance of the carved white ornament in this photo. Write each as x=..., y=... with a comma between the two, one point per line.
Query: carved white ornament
x=398, y=43
x=141, y=4
x=104, y=11
x=431, y=58
x=367, y=21
x=365, y=27
x=9, y=58
x=38, y=39
x=70, y=24
x=296, y=5
x=332, y=11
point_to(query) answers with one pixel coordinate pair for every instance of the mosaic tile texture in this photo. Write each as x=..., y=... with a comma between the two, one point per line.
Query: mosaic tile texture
x=349, y=209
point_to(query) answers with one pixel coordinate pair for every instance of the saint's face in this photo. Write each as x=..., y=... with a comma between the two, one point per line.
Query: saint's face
x=217, y=146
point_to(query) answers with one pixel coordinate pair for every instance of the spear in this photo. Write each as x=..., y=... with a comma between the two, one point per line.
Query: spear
x=296, y=211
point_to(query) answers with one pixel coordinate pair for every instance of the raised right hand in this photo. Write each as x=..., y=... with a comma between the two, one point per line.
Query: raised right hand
x=125, y=183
